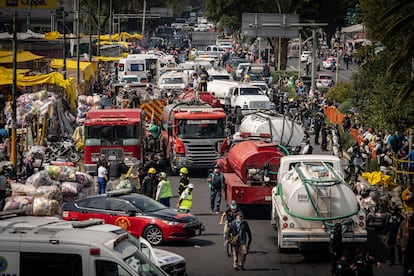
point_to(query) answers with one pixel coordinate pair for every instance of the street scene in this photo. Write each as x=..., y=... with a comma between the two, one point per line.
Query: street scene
x=206, y=138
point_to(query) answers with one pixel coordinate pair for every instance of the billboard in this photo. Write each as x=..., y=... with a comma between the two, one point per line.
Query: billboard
x=28, y=4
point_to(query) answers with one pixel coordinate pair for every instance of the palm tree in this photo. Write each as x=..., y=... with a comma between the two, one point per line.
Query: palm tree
x=400, y=16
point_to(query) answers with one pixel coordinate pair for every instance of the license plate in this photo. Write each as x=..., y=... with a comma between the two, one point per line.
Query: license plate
x=268, y=198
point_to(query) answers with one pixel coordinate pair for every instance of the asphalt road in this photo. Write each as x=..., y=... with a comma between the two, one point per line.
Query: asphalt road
x=205, y=254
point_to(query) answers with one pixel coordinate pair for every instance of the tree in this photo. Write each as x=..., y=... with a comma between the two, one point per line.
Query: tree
x=394, y=30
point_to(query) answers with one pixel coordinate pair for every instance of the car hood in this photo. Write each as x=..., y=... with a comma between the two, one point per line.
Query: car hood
x=169, y=214
x=167, y=257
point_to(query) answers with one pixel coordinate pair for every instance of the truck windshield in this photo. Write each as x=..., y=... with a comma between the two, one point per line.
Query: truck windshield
x=110, y=135
x=172, y=81
x=188, y=129
x=250, y=91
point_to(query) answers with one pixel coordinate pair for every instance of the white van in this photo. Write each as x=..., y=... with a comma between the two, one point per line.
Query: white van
x=170, y=262
x=70, y=251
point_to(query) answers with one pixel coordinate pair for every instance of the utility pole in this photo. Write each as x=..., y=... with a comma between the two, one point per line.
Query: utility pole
x=99, y=28
x=90, y=33
x=13, y=153
x=77, y=41
x=64, y=45
x=143, y=19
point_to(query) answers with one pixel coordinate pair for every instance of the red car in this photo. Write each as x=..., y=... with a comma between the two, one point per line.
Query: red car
x=138, y=214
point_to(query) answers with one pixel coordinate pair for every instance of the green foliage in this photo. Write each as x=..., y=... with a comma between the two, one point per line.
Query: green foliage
x=340, y=92
x=346, y=106
x=346, y=139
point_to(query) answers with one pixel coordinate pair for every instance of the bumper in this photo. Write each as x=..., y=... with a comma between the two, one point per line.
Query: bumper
x=294, y=238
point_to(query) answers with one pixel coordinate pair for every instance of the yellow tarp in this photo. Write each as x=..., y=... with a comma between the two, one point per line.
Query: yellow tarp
x=105, y=59
x=84, y=66
x=5, y=72
x=53, y=35
x=6, y=78
x=22, y=56
x=378, y=178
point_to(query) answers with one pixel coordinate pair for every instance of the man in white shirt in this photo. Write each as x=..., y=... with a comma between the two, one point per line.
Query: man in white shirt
x=102, y=177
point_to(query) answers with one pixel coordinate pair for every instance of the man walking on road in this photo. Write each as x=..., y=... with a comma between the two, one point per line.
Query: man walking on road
x=240, y=238
x=216, y=184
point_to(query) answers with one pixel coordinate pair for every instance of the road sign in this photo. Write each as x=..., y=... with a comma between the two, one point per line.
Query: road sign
x=270, y=25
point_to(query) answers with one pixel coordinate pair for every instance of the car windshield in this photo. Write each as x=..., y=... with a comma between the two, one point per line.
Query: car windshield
x=325, y=77
x=146, y=204
x=172, y=81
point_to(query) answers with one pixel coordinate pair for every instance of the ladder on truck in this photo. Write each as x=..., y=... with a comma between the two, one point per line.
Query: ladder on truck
x=322, y=201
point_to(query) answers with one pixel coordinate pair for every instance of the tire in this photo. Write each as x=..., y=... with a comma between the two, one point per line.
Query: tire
x=238, y=115
x=173, y=165
x=74, y=157
x=153, y=235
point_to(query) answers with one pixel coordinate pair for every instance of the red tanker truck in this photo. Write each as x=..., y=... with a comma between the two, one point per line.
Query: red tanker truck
x=250, y=171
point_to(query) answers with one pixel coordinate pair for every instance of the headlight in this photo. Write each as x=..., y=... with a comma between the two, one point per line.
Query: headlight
x=171, y=223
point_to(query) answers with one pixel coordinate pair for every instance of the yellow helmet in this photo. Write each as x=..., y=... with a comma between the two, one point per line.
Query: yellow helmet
x=184, y=170
x=152, y=170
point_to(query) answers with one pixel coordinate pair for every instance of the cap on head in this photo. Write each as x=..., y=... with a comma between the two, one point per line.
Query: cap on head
x=152, y=170
x=233, y=205
x=191, y=186
x=240, y=214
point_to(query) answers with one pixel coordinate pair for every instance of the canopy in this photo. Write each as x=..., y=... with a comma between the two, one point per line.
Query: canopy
x=115, y=37
x=6, y=78
x=353, y=29
x=85, y=67
x=105, y=59
x=22, y=56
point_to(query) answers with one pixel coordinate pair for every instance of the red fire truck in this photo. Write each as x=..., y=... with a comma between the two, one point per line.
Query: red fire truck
x=117, y=133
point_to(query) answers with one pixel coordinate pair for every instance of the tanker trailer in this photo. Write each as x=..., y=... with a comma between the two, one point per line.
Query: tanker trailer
x=310, y=199
x=280, y=129
x=250, y=171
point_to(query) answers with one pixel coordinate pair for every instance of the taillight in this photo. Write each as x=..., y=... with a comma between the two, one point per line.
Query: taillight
x=179, y=146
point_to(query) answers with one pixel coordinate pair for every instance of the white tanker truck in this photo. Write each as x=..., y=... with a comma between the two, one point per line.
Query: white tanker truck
x=276, y=127
x=310, y=198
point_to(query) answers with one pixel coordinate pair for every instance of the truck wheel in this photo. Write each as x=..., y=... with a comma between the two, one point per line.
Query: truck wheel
x=239, y=116
x=153, y=235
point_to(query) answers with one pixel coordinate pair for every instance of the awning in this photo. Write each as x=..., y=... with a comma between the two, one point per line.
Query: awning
x=22, y=56
x=106, y=59
x=353, y=28
x=84, y=66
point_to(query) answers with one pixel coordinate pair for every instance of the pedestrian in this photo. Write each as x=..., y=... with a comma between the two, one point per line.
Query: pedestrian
x=102, y=158
x=307, y=148
x=164, y=192
x=335, y=245
x=149, y=183
x=410, y=158
x=229, y=215
x=185, y=201
x=344, y=267
x=390, y=233
x=240, y=238
x=184, y=180
x=324, y=134
x=317, y=124
x=3, y=189
x=407, y=197
x=363, y=263
x=216, y=185
x=102, y=177
x=405, y=240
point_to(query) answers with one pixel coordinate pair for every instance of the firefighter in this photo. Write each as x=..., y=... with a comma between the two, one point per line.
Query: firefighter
x=203, y=79
x=149, y=183
x=184, y=180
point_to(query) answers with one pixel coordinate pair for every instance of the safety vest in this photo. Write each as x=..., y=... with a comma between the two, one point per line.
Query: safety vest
x=166, y=189
x=186, y=203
